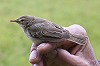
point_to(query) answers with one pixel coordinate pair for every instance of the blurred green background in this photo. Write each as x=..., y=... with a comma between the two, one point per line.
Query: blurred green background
x=15, y=46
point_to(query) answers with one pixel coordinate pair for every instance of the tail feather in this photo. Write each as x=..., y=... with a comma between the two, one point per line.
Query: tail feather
x=79, y=39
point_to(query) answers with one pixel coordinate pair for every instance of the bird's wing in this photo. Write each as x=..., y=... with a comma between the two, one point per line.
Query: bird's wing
x=46, y=31
x=51, y=32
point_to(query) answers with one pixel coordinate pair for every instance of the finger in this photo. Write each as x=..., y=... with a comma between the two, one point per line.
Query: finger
x=39, y=64
x=51, y=55
x=45, y=48
x=69, y=59
x=66, y=58
x=35, y=57
x=34, y=65
x=33, y=47
x=75, y=49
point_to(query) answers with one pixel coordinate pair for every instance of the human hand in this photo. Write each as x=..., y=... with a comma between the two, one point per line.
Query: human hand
x=59, y=58
x=69, y=54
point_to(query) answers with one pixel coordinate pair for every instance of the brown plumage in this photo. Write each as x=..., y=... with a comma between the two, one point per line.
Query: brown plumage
x=41, y=30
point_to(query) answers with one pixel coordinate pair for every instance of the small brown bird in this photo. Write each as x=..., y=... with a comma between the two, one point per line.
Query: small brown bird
x=40, y=30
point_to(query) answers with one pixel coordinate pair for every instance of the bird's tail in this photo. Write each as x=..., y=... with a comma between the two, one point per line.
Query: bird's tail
x=79, y=39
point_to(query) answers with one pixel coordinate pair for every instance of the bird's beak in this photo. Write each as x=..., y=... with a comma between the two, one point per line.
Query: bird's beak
x=14, y=21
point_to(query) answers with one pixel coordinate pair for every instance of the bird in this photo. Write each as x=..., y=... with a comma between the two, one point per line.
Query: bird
x=41, y=30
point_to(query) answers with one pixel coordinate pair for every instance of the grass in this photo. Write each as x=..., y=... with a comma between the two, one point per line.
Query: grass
x=15, y=46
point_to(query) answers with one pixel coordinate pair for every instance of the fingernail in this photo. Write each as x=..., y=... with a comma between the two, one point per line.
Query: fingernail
x=34, y=57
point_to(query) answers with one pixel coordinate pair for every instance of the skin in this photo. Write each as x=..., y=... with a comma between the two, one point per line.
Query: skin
x=69, y=54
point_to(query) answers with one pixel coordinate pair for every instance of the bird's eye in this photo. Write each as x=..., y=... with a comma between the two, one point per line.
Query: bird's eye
x=22, y=20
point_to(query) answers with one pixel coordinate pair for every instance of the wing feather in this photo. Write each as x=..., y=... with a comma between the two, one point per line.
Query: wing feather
x=46, y=31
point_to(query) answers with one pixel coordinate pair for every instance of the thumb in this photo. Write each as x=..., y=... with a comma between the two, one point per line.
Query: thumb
x=64, y=57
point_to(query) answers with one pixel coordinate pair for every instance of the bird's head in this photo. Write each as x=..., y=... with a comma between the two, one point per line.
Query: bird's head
x=24, y=20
